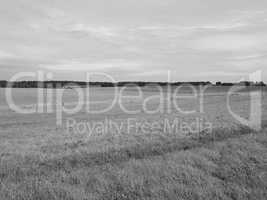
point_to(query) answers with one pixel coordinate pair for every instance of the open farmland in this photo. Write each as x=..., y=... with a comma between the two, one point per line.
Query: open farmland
x=42, y=160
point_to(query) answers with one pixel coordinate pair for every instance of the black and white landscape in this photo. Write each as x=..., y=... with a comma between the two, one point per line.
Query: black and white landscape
x=133, y=100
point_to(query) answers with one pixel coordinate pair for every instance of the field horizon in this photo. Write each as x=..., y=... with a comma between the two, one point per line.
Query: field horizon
x=41, y=160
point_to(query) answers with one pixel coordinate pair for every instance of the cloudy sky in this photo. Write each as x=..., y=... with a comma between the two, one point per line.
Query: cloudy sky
x=135, y=40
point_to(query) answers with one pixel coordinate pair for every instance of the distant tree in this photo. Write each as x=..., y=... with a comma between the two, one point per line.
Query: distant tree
x=3, y=84
x=227, y=84
x=260, y=84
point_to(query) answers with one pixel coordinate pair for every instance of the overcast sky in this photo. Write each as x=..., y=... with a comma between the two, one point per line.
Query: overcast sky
x=135, y=40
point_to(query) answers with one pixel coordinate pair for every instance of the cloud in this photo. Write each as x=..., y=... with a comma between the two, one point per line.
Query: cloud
x=221, y=26
x=7, y=55
x=246, y=65
x=152, y=72
x=231, y=42
x=249, y=57
x=70, y=38
x=98, y=31
x=229, y=25
x=73, y=65
x=219, y=74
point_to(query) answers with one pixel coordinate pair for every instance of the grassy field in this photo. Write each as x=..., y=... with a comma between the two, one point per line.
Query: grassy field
x=40, y=161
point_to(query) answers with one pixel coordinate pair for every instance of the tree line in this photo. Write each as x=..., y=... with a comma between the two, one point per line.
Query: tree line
x=71, y=84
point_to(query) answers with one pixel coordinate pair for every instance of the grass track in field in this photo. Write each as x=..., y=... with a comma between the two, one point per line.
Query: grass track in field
x=229, y=166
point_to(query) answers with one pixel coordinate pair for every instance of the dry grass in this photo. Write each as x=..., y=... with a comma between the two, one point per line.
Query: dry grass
x=39, y=161
x=229, y=164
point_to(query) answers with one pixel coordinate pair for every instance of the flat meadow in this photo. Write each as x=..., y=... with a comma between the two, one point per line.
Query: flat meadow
x=141, y=147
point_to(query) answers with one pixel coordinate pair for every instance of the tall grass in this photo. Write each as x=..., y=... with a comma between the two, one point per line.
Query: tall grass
x=227, y=164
